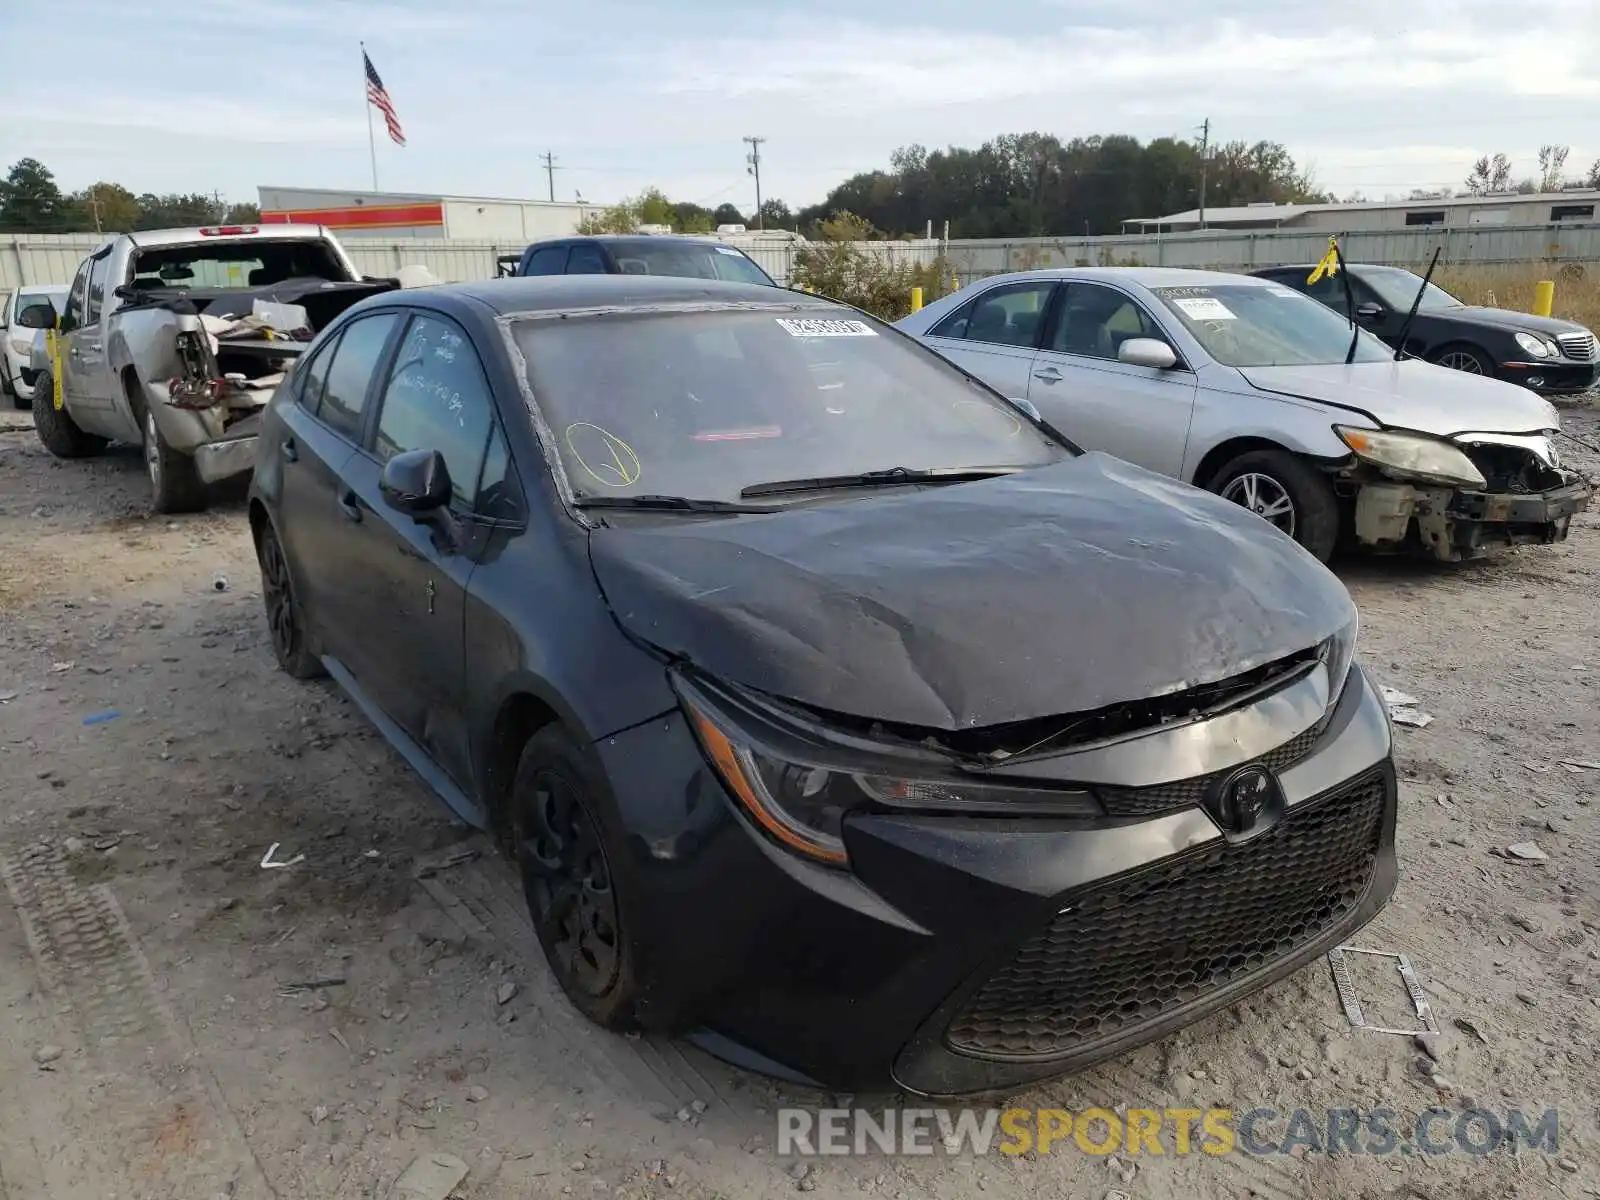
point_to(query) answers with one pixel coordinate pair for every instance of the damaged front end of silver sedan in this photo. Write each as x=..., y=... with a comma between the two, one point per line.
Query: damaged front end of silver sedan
x=1458, y=498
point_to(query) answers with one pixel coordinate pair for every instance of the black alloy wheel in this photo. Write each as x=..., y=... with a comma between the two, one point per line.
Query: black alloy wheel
x=567, y=878
x=283, y=616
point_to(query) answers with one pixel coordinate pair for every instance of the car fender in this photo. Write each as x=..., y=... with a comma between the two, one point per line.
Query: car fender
x=1240, y=413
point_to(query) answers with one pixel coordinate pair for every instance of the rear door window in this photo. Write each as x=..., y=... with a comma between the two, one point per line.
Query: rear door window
x=355, y=361
x=1005, y=316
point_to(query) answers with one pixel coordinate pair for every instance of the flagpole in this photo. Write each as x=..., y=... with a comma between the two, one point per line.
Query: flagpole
x=372, y=141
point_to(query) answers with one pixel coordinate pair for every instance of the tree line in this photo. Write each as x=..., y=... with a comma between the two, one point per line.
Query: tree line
x=1015, y=185
x=32, y=202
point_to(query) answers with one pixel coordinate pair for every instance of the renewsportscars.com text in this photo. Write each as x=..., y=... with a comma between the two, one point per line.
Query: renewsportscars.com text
x=1163, y=1131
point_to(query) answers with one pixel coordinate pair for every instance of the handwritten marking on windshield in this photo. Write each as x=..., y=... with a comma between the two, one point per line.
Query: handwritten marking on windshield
x=622, y=469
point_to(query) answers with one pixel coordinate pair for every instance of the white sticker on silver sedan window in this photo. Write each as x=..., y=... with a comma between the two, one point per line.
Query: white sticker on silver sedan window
x=815, y=327
x=1204, y=308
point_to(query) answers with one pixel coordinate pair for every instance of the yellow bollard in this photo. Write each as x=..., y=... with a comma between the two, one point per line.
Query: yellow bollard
x=916, y=299
x=1544, y=297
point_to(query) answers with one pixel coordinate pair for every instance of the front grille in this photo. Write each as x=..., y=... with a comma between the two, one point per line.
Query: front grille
x=1579, y=346
x=1128, y=950
x=1187, y=793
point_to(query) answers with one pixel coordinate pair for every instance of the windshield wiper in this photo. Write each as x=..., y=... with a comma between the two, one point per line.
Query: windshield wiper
x=669, y=504
x=887, y=477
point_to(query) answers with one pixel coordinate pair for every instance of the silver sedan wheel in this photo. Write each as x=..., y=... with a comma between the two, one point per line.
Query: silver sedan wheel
x=1264, y=496
x=1462, y=360
x=152, y=451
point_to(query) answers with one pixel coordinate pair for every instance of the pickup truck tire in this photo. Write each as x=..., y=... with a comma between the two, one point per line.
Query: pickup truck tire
x=174, y=482
x=57, y=430
x=1289, y=492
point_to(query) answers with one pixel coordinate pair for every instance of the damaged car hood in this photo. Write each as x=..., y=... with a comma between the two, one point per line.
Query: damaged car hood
x=1411, y=394
x=1060, y=590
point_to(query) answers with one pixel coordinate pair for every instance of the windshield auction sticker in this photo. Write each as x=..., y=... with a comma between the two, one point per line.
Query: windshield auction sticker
x=1204, y=308
x=825, y=328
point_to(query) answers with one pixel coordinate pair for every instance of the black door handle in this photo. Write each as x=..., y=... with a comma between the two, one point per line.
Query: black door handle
x=349, y=505
x=290, y=452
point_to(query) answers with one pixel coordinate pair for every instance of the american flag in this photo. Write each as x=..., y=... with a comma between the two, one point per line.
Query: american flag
x=378, y=95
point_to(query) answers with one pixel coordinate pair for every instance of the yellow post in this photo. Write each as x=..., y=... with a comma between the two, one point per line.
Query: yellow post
x=1544, y=297
x=916, y=299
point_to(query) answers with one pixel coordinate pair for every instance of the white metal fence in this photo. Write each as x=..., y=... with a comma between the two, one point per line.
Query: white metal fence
x=47, y=259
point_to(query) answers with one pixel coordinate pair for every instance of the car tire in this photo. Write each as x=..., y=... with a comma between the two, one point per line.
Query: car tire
x=175, y=485
x=1460, y=356
x=57, y=430
x=285, y=621
x=1265, y=480
x=562, y=850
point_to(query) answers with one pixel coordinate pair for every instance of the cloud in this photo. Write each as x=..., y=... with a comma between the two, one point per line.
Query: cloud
x=232, y=93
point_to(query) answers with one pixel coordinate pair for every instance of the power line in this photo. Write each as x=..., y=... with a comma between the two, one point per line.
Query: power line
x=754, y=159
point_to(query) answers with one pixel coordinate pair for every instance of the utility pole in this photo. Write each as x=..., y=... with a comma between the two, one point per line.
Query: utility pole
x=549, y=161
x=754, y=159
x=1205, y=146
x=94, y=207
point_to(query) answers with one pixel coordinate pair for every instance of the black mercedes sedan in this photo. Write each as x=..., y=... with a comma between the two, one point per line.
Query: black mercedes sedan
x=1548, y=354
x=835, y=712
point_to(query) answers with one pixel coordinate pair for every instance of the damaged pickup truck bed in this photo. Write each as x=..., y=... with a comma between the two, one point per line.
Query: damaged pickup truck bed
x=175, y=340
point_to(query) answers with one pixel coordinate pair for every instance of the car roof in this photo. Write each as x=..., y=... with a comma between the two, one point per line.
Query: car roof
x=553, y=293
x=1143, y=276
x=614, y=239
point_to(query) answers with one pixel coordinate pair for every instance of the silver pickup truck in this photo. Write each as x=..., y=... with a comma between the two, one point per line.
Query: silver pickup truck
x=175, y=339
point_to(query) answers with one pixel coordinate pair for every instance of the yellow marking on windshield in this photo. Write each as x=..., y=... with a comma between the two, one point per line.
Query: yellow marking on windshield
x=622, y=471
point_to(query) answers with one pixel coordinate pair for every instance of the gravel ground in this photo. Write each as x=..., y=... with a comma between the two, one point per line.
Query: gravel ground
x=150, y=1044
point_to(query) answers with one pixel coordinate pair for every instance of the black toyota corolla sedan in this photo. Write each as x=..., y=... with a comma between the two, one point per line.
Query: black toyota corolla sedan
x=836, y=713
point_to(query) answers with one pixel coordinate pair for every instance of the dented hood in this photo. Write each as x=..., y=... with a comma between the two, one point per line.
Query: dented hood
x=1065, y=589
x=1411, y=394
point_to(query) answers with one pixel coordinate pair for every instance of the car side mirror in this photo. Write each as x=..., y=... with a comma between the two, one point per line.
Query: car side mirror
x=1147, y=352
x=37, y=316
x=1369, y=311
x=416, y=482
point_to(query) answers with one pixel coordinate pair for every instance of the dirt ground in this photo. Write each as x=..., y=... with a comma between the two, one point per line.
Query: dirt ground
x=151, y=1044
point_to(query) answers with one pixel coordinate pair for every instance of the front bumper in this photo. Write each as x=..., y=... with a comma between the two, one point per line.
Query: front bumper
x=876, y=977
x=1553, y=376
x=1451, y=524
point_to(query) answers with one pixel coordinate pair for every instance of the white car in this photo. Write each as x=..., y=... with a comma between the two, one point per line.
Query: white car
x=1255, y=391
x=16, y=370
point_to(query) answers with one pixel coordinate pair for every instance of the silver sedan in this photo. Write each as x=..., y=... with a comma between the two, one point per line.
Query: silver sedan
x=1249, y=389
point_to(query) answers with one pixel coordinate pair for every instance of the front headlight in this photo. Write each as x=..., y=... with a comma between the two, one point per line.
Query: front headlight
x=1411, y=454
x=22, y=345
x=1536, y=345
x=1339, y=654
x=799, y=794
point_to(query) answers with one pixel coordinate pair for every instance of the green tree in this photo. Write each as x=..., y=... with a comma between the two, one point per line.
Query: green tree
x=1034, y=184
x=106, y=207
x=727, y=214
x=775, y=214
x=175, y=211
x=242, y=213
x=691, y=218
x=30, y=201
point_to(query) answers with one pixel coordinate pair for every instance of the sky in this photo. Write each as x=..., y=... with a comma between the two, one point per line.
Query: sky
x=225, y=95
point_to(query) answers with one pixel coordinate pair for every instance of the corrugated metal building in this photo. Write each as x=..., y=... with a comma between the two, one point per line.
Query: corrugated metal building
x=405, y=214
x=1493, y=209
